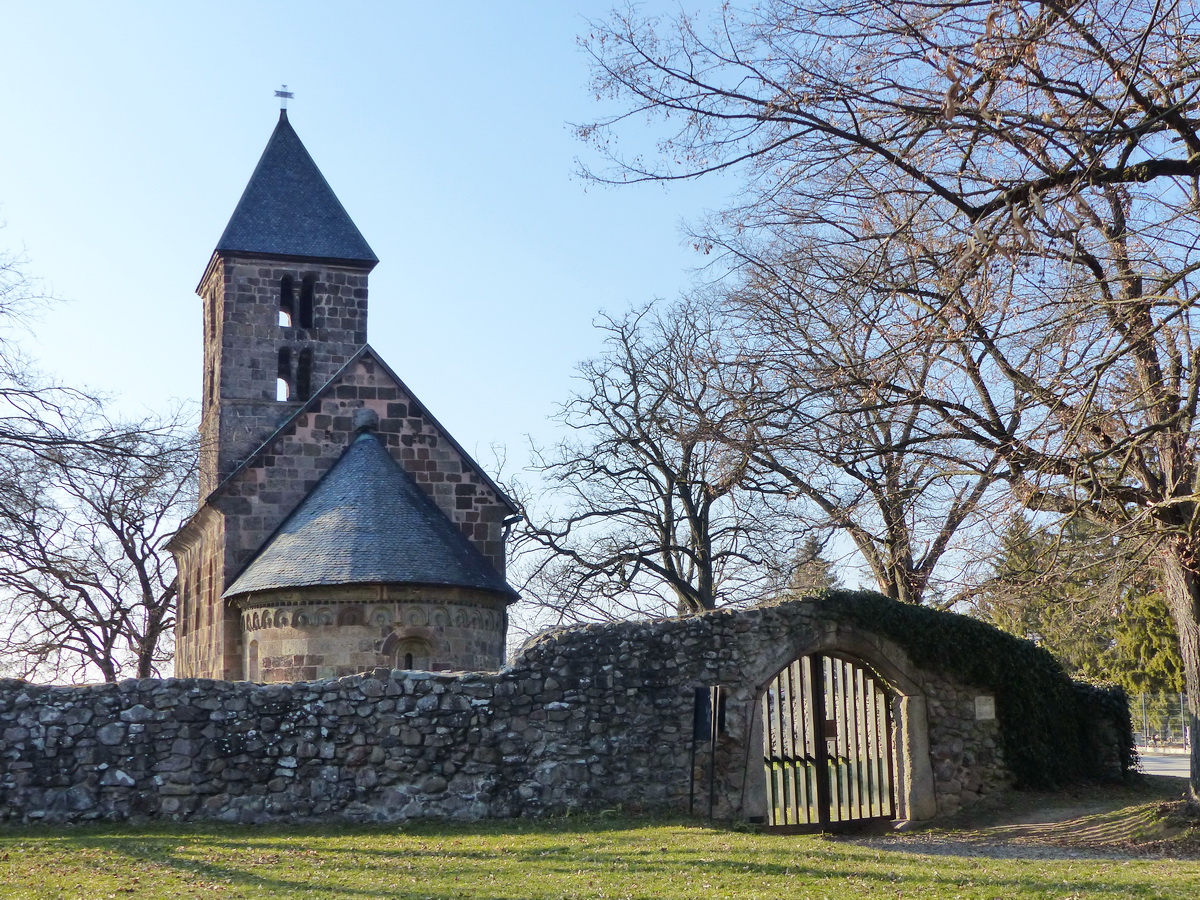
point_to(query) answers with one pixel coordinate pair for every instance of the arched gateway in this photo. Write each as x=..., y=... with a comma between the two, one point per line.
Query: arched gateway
x=838, y=737
x=828, y=745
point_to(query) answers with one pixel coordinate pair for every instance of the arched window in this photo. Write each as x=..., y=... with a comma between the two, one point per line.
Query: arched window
x=414, y=653
x=283, y=381
x=197, y=596
x=287, y=303
x=211, y=611
x=210, y=354
x=304, y=373
x=307, y=288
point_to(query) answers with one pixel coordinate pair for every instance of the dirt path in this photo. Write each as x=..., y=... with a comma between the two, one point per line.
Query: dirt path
x=1115, y=822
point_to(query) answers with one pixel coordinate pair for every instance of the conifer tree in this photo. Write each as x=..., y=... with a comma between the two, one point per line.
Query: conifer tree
x=1088, y=598
x=812, y=572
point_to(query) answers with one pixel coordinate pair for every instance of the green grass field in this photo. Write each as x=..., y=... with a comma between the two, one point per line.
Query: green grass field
x=583, y=857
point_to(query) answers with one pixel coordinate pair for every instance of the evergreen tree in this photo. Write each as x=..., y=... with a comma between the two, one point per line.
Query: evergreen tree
x=1088, y=598
x=811, y=571
x=1145, y=657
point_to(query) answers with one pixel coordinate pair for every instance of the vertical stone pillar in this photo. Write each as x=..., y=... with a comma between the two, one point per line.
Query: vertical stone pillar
x=915, y=767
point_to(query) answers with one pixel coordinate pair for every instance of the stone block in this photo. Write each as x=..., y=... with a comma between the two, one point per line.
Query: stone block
x=111, y=734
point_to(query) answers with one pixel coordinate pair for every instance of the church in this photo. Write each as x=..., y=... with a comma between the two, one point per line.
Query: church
x=340, y=527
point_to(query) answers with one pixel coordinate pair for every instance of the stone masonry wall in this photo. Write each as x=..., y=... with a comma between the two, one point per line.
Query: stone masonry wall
x=964, y=751
x=584, y=718
x=328, y=632
x=242, y=340
x=274, y=483
x=202, y=621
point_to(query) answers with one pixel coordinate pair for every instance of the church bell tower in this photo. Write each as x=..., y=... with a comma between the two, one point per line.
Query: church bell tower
x=285, y=303
x=340, y=527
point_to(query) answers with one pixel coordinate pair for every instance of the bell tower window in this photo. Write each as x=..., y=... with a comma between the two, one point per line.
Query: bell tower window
x=307, y=288
x=211, y=355
x=283, y=383
x=287, y=302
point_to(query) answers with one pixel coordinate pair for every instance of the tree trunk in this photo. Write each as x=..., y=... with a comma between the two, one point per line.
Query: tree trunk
x=145, y=660
x=1181, y=585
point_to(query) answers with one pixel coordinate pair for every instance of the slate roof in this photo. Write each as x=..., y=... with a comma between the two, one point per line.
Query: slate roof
x=367, y=522
x=288, y=208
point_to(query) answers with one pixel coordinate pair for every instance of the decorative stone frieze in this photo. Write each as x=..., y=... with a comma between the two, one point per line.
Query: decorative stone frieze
x=316, y=633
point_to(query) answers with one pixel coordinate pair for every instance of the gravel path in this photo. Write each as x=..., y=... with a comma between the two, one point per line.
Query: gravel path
x=1100, y=823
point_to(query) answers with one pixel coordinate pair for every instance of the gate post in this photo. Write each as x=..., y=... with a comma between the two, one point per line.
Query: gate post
x=917, y=769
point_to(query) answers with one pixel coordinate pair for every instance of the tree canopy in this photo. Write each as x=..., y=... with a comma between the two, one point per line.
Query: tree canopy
x=87, y=503
x=87, y=585
x=653, y=514
x=1087, y=597
x=1014, y=186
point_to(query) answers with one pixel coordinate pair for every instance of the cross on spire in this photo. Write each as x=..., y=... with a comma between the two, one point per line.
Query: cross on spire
x=284, y=96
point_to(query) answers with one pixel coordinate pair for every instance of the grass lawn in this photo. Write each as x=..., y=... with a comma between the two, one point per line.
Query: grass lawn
x=583, y=857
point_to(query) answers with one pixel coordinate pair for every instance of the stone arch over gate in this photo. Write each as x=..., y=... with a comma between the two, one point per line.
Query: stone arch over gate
x=744, y=777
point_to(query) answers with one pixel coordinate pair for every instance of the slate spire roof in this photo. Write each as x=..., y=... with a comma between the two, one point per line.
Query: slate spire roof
x=367, y=522
x=288, y=208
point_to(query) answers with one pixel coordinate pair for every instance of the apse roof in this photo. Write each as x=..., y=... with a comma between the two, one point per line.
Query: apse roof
x=367, y=522
x=289, y=209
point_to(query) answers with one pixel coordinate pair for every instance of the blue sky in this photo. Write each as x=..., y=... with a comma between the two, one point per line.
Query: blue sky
x=132, y=127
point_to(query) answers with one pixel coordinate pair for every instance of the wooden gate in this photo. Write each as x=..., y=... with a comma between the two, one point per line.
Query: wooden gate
x=827, y=746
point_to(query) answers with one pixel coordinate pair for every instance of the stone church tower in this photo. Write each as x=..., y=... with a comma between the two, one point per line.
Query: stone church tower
x=340, y=527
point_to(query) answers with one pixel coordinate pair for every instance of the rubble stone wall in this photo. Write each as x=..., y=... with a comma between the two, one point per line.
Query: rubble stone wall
x=585, y=718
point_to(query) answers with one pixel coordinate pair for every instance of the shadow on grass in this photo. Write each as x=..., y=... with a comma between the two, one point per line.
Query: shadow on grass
x=555, y=858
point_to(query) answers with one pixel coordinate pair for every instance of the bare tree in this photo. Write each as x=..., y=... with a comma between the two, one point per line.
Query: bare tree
x=652, y=511
x=1037, y=165
x=87, y=587
x=86, y=504
x=37, y=417
x=814, y=423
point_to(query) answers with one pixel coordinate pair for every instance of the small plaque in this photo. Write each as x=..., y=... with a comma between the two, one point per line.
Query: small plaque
x=985, y=707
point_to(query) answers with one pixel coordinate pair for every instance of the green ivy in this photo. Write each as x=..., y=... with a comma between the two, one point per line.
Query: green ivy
x=1045, y=718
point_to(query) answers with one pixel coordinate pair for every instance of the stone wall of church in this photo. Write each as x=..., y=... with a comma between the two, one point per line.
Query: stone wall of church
x=207, y=631
x=243, y=340
x=248, y=508
x=305, y=634
x=584, y=719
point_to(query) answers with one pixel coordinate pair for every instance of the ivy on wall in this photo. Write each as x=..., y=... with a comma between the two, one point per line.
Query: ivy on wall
x=1052, y=728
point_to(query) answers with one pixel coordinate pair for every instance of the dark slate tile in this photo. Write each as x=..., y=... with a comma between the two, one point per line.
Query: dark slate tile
x=289, y=209
x=367, y=522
